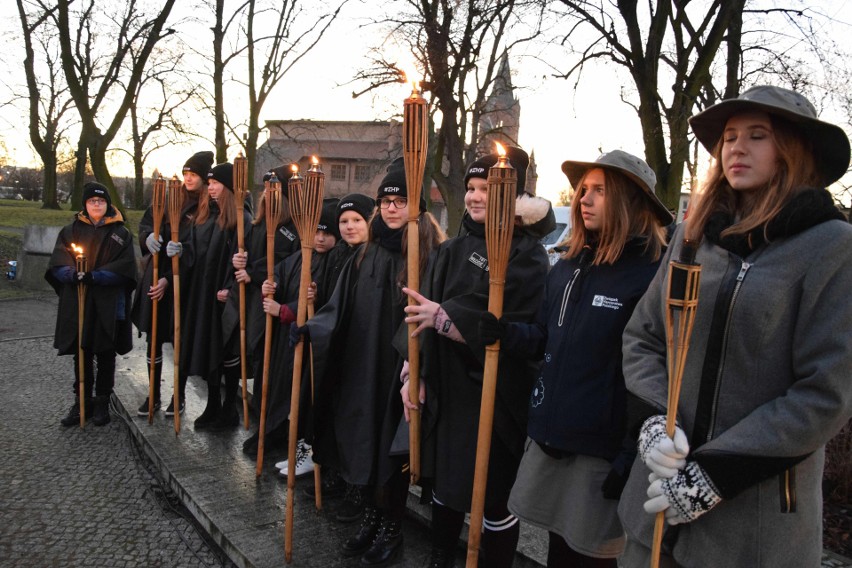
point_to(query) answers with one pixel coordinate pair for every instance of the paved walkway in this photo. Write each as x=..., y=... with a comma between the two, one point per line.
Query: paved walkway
x=122, y=495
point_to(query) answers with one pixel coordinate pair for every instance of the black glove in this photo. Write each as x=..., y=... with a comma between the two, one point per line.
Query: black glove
x=613, y=485
x=491, y=330
x=297, y=333
x=85, y=278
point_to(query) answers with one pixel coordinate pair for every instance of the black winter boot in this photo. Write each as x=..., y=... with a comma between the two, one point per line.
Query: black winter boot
x=73, y=416
x=370, y=523
x=214, y=403
x=101, y=412
x=387, y=545
x=229, y=417
x=158, y=373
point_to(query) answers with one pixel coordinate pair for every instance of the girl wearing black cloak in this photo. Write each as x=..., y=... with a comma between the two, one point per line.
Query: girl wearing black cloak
x=250, y=268
x=353, y=334
x=195, y=172
x=213, y=349
x=455, y=295
x=107, y=244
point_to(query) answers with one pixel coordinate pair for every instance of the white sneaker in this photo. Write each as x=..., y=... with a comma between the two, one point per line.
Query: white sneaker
x=304, y=461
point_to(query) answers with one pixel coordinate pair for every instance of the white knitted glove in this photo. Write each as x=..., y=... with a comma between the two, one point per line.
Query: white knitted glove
x=154, y=243
x=684, y=497
x=661, y=454
x=174, y=248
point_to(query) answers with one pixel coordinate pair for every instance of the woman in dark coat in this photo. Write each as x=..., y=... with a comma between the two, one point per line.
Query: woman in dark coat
x=110, y=277
x=354, y=331
x=195, y=172
x=579, y=448
x=455, y=295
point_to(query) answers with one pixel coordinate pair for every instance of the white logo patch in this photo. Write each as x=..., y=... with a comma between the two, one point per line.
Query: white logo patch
x=479, y=261
x=284, y=231
x=391, y=189
x=600, y=301
x=118, y=239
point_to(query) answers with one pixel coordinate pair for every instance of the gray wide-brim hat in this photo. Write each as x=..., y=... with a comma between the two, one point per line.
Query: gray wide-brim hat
x=629, y=165
x=830, y=143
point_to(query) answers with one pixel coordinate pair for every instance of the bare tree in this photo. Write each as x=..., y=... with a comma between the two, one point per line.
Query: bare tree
x=271, y=37
x=104, y=82
x=47, y=96
x=156, y=125
x=459, y=45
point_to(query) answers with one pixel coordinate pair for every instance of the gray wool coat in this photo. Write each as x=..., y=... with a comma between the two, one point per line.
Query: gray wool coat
x=782, y=389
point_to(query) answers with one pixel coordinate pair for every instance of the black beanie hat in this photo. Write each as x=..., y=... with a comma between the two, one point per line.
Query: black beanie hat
x=517, y=157
x=224, y=174
x=283, y=173
x=363, y=205
x=94, y=189
x=394, y=183
x=199, y=163
x=328, y=217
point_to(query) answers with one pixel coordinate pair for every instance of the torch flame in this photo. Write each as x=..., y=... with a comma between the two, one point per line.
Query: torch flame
x=414, y=79
x=314, y=161
x=294, y=168
x=77, y=249
x=501, y=151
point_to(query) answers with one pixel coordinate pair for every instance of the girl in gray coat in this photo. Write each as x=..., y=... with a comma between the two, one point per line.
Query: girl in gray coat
x=766, y=383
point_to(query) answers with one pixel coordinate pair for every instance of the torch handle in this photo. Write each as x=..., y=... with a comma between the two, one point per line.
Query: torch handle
x=414, y=354
x=486, y=422
x=152, y=356
x=176, y=339
x=267, y=347
x=81, y=367
x=295, y=394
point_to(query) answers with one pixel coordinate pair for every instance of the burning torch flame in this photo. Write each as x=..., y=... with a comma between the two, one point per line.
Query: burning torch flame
x=414, y=79
x=78, y=250
x=314, y=161
x=501, y=150
x=294, y=168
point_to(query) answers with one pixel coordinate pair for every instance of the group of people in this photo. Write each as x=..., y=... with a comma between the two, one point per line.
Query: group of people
x=580, y=445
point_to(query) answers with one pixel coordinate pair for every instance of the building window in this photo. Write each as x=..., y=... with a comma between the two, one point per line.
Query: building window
x=338, y=172
x=363, y=174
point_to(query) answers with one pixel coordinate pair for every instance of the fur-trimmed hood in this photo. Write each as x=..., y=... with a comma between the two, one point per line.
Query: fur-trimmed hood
x=534, y=215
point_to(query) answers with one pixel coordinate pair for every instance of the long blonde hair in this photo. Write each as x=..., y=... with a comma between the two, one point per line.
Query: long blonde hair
x=627, y=213
x=796, y=170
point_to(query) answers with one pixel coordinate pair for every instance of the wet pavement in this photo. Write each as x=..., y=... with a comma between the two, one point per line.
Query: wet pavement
x=134, y=494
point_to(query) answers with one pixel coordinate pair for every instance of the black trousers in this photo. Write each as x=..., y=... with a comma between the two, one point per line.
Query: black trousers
x=105, y=373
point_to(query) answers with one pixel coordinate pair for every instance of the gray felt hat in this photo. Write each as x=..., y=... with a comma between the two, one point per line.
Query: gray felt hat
x=830, y=143
x=629, y=165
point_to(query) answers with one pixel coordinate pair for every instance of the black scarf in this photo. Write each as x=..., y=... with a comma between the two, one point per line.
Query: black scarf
x=806, y=209
x=391, y=239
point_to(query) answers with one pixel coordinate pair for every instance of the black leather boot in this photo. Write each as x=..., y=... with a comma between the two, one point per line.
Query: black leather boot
x=387, y=547
x=229, y=417
x=214, y=403
x=370, y=523
x=101, y=411
x=73, y=416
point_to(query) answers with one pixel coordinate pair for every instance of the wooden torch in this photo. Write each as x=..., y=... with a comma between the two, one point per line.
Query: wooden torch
x=175, y=206
x=158, y=202
x=305, y=207
x=414, y=147
x=82, y=265
x=240, y=189
x=273, y=209
x=681, y=304
x=499, y=226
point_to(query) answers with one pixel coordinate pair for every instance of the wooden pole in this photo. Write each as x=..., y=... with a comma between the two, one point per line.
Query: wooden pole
x=175, y=200
x=414, y=151
x=684, y=279
x=305, y=207
x=82, y=265
x=240, y=189
x=273, y=210
x=499, y=226
x=317, y=468
x=158, y=199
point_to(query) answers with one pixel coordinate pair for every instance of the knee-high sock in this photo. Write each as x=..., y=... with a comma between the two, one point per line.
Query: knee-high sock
x=446, y=526
x=233, y=374
x=500, y=532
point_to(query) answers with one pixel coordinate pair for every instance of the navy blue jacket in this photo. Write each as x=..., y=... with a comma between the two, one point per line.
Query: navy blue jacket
x=579, y=402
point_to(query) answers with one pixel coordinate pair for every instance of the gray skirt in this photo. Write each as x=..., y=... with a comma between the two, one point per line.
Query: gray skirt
x=564, y=496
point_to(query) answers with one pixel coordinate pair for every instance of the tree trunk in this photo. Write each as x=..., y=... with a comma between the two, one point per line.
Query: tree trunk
x=48, y=193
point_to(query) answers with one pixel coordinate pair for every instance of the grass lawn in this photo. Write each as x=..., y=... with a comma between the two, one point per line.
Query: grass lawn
x=19, y=214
